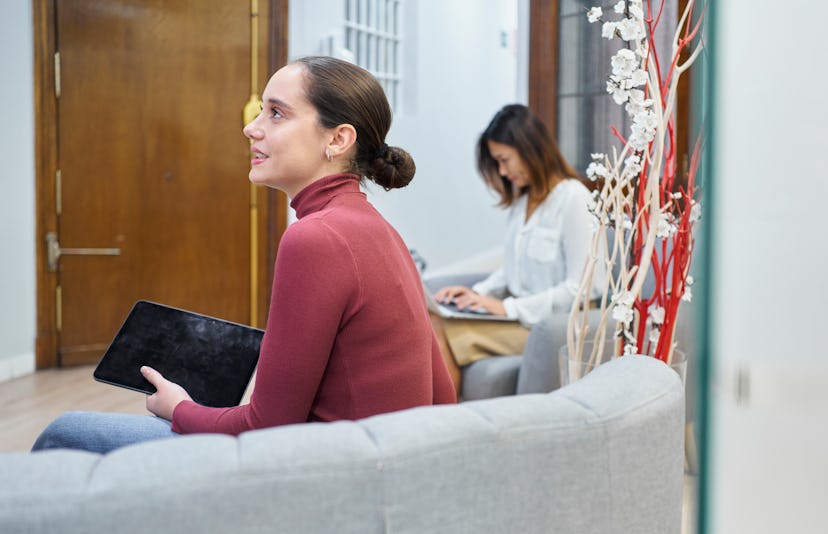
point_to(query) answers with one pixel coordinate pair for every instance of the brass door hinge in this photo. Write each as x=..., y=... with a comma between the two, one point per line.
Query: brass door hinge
x=57, y=74
x=58, y=308
x=58, y=192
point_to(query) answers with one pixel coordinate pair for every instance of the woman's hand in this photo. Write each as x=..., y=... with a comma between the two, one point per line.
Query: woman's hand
x=447, y=294
x=466, y=299
x=167, y=396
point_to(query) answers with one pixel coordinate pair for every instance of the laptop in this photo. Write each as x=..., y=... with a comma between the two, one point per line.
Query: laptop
x=450, y=311
x=211, y=358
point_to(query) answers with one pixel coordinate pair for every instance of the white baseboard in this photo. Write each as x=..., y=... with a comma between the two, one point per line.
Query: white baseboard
x=17, y=365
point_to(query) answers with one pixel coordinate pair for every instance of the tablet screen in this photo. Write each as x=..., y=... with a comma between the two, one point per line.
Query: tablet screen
x=212, y=359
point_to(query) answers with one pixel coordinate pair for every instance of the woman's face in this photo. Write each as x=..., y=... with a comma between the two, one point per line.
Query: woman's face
x=509, y=164
x=288, y=143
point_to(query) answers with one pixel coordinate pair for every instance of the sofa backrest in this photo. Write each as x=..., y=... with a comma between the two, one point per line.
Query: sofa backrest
x=604, y=454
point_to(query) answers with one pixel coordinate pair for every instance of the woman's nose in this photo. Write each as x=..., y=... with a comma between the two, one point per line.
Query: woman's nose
x=251, y=131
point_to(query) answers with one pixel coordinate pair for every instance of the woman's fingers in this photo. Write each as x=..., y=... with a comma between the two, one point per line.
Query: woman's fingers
x=451, y=293
x=475, y=301
x=468, y=299
x=152, y=376
x=167, y=395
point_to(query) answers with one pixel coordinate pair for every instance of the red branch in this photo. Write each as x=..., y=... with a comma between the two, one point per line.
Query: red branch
x=669, y=264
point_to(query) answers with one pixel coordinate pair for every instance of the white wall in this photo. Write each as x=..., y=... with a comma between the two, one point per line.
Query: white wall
x=769, y=465
x=17, y=212
x=458, y=75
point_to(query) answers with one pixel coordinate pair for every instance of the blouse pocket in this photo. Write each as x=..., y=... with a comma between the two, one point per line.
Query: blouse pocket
x=544, y=245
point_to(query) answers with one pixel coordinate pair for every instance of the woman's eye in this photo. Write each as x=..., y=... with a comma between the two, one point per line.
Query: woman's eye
x=274, y=113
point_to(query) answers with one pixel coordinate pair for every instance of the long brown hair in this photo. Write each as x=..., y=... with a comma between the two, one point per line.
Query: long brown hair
x=515, y=125
x=344, y=93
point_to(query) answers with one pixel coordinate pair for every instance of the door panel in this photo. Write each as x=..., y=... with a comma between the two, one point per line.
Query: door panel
x=152, y=162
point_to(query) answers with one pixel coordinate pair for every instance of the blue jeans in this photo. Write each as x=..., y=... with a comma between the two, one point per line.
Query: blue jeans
x=101, y=432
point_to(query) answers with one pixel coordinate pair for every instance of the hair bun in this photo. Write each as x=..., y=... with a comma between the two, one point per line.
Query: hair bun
x=393, y=169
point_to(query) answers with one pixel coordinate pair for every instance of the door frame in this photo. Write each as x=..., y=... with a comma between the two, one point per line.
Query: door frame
x=543, y=62
x=272, y=205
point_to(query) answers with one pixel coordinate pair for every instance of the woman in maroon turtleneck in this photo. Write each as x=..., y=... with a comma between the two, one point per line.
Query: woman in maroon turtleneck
x=348, y=334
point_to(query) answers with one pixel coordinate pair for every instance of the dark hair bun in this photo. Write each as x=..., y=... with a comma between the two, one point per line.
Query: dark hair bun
x=393, y=170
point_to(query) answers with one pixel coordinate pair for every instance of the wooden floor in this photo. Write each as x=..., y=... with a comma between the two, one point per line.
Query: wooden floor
x=29, y=403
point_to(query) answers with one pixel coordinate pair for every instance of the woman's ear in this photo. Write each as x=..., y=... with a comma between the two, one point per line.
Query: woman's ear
x=344, y=137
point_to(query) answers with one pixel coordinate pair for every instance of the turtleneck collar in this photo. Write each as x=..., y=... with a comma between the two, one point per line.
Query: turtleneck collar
x=315, y=196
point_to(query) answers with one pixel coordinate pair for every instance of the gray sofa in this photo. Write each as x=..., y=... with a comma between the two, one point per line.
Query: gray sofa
x=603, y=455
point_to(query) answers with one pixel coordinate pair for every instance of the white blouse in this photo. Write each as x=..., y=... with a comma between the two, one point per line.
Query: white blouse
x=545, y=256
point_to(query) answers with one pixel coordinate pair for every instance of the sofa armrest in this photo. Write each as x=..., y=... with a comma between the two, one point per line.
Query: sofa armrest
x=491, y=377
x=540, y=370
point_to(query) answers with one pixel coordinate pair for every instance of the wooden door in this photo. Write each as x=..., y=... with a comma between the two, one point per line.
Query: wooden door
x=152, y=164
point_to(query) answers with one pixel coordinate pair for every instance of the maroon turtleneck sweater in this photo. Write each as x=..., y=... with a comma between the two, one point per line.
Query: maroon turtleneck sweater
x=348, y=334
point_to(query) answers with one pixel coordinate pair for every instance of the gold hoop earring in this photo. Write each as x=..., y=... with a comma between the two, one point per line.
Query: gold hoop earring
x=328, y=154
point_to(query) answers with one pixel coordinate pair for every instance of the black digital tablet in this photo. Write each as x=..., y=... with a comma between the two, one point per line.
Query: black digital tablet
x=211, y=358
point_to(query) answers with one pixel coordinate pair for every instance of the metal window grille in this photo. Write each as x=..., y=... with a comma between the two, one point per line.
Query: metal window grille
x=373, y=34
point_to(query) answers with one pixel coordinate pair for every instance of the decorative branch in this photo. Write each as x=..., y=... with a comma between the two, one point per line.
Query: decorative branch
x=638, y=199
